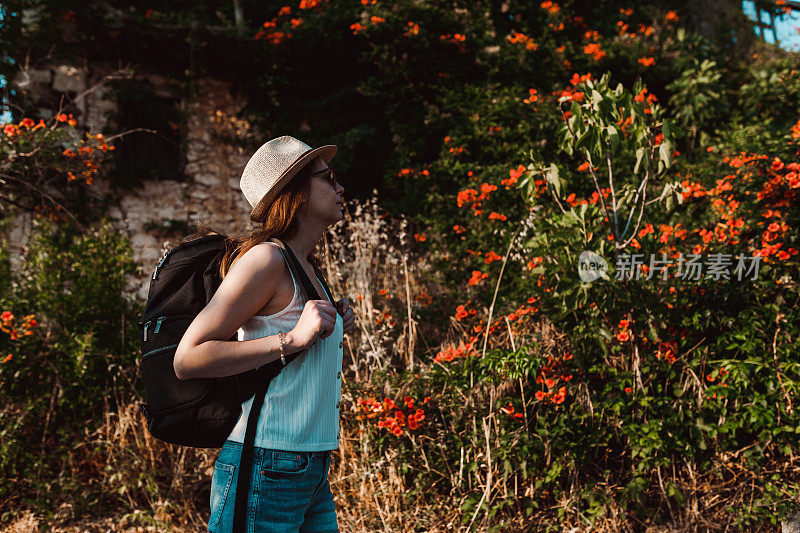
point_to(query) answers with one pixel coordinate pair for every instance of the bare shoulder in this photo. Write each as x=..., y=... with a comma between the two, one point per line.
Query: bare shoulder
x=249, y=284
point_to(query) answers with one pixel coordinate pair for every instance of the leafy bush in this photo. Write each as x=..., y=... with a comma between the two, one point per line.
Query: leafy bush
x=57, y=378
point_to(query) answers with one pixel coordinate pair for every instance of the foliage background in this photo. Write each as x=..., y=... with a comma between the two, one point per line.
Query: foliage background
x=642, y=403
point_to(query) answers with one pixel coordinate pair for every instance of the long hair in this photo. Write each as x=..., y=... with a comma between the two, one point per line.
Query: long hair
x=280, y=221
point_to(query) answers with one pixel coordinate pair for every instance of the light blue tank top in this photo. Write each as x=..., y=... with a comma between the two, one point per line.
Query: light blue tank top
x=301, y=408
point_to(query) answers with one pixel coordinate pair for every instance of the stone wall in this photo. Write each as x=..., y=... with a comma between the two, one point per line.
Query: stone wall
x=157, y=215
x=212, y=194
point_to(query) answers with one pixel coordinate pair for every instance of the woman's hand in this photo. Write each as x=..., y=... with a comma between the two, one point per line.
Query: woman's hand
x=348, y=318
x=316, y=322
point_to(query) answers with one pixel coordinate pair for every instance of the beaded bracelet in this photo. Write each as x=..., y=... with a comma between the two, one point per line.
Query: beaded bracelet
x=283, y=357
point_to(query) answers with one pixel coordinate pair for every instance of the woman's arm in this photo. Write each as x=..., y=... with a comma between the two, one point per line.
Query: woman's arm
x=250, y=283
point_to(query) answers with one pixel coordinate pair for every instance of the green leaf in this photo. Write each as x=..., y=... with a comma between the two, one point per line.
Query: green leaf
x=652, y=333
x=551, y=176
x=639, y=156
x=613, y=136
x=576, y=111
x=585, y=139
x=665, y=153
x=666, y=129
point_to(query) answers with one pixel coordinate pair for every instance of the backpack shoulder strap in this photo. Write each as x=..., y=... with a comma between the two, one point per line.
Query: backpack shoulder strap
x=299, y=272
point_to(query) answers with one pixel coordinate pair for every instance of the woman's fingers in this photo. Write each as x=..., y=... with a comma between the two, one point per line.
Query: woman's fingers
x=348, y=317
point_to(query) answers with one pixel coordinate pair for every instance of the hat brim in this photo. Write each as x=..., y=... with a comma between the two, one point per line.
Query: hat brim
x=326, y=152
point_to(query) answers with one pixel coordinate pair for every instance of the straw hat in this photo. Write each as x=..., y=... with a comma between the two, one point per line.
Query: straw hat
x=272, y=166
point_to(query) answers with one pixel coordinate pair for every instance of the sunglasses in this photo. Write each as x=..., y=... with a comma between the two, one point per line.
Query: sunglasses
x=329, y=175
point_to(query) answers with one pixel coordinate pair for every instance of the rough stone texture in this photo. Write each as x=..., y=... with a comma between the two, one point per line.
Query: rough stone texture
x=98, y=108
x=212, y=196
x=154, y=214
x=791, y=525
x=68, y=79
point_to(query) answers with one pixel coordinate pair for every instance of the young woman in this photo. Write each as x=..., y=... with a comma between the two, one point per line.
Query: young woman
x=295, y=197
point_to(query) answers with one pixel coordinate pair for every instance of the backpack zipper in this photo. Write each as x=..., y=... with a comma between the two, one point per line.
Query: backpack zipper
x=156, y=350
x=160, y=262
x=158, y=322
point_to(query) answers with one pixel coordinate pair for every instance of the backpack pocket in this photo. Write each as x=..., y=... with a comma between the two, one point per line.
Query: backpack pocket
x=163, y=389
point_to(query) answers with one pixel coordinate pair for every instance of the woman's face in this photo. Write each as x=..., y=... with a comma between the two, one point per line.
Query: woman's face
x=325, y=200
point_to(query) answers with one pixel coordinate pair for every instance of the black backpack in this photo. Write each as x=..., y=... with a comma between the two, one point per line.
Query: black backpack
x=201, y=412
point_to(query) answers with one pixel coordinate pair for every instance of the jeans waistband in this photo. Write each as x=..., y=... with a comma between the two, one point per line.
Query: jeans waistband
x=259, y=452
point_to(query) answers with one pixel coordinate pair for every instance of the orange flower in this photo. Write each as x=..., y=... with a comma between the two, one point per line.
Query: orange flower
x=7, y=316
x=594, y=50
x=623, y=336
x=551, y=7
x=413, y=29
x=533, y=96
x=560, y=396
x=477, y=277
x=533, y=263
x=647, y=61
x=491, y=256
x=509, y=409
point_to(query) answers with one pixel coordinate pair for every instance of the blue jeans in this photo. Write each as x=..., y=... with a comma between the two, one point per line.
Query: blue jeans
x=289, y=491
